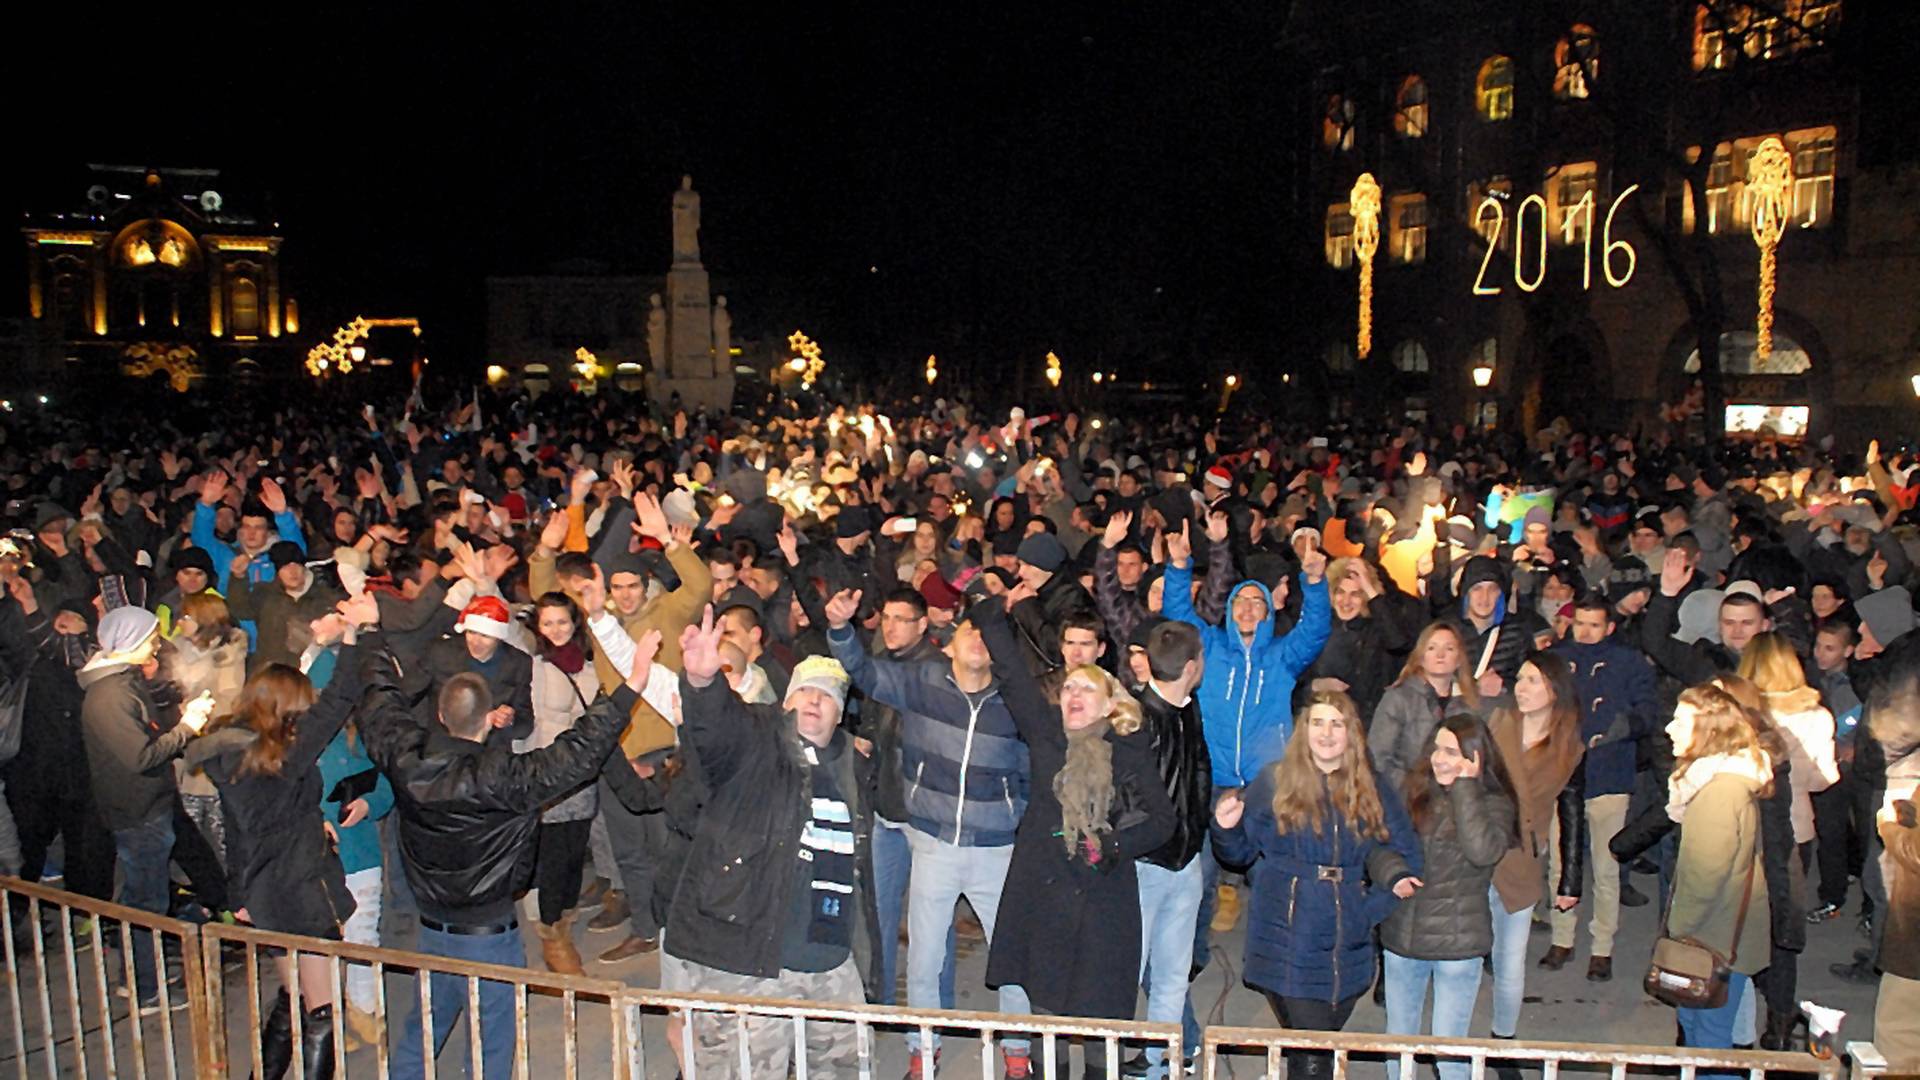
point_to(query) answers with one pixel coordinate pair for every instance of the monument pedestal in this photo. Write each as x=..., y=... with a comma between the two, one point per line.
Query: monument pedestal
x=695, y=393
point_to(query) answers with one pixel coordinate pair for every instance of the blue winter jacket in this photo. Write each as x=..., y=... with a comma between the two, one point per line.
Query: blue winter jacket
x=1614, y=682
x=1316, y=896
x=1247, y=693
x=966, y=766
x=259, y=571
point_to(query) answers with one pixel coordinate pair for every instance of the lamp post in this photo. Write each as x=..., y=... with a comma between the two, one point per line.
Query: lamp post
x=1053, y=371
x=1227, y=388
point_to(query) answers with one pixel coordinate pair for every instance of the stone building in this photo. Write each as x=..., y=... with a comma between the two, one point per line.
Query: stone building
x=154, y=271
x=1538, y=167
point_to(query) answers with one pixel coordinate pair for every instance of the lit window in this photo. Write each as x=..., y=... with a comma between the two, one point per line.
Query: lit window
x=1336, y=127
x=1812, y=152
x=1723, y=191
x=1416, y=410
x=1493, y=89
x=1762, y=31
x=1569, y=185
x=1410, y=108
x=1484, y=221
x=1710, y=49
x=1576, y=63
x=1339, y=356
x=1787, y=421
x=1739, y=356
x=1411, y=357
x=1486, y=353
x=245, y=302
x=1339, y=237
x=1407, y=229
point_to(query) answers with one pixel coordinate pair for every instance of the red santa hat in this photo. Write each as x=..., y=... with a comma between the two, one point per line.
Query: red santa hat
x=1221, y=477
x=486, y=615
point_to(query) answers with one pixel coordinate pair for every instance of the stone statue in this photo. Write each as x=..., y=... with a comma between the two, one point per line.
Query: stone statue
x=656, y=333
x=686, y=222
x=722, y=336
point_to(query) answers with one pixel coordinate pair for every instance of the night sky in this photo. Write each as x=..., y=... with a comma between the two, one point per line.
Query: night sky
x=1109, y=184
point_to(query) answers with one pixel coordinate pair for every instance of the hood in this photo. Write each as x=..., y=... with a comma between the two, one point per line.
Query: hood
x=1479, y=569
x=1262, y=634
x=101, y=667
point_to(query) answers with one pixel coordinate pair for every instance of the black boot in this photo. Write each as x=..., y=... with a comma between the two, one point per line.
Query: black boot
x=276, y=1041
x=316, y=1044
x=1779, y=1032
x=1503, y=1070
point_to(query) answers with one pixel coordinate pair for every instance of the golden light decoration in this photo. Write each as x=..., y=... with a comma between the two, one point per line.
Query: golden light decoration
x=1053, y=370
x=342, y=352
x=1364, y=203
x=1770, y=184
x=933, y=372
x=806, y=358
x=180, y=363
x=586, y=365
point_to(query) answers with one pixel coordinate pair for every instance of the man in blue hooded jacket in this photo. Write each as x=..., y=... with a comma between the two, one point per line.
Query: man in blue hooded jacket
x=1245, y=700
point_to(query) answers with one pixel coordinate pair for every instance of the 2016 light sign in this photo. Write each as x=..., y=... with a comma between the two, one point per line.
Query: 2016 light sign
x=1609, y=246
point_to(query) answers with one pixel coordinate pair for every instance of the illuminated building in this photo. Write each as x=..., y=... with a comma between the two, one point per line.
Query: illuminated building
x=1508, y=140
x=156, y=271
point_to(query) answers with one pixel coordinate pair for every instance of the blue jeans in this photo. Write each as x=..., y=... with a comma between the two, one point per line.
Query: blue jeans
x=1169, y=904
x=1712, y=1029
x=1510, y=932
x=942, y=874
x=450, y=1001
x=1456, y=985
x=144, y=852
x=892, y=866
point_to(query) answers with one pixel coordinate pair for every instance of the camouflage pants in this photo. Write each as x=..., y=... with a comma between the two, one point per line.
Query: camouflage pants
x=831, y=1049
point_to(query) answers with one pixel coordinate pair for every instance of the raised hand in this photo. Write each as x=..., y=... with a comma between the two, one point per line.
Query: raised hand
x=22, y=591
x=580, y=486
x=362, y=610
x=1674, y=573
x=621, y=472
x=593, y=593
x=700, y=650
x=1217, y=523
x=497, y=560
x=650, y=520
x=789, y=543
x=213, y=487
x=1118, y=525
x=1180, y=545
x=1313, y=563
x=842, y=607
x=645, y=650
x=1418, y=466
x=553, y=535
x=272, y=497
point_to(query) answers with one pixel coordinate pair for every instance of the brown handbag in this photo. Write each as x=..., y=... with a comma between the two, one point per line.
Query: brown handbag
x=1689, y=975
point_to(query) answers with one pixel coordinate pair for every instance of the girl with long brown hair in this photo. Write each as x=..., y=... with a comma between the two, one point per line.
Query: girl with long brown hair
x=206, y=654
x=284, y=871
x=1435, y=682
x=1336, y=852
x=563, y=683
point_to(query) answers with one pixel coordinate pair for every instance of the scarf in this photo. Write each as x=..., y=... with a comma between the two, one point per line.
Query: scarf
x=569, y=658
x=1682, y=787
x=1084, y=786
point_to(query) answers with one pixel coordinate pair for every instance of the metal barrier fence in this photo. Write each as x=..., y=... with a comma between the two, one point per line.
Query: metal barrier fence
x=1275, y=1045
x=70, y=1006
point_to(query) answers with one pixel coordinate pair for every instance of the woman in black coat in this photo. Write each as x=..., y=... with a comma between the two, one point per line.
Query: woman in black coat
x=1097, y=804
x=283, y=869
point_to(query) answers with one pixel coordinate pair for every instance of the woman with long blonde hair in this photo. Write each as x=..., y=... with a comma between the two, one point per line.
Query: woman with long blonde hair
x=1805, y=726
x=1436, y=681
x=1336, y=852
x=1097, y=803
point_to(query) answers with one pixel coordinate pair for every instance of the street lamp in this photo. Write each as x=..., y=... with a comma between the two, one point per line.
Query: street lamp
x=932, y=371
x=1916, y=386
x=1097, y=376
x=1053, y=371
x=1482, y=378
x=359, y=353
x=1483, y=375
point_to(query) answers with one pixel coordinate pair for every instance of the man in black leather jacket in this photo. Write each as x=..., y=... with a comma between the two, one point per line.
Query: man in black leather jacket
x=467, y=815
x=1171, y=883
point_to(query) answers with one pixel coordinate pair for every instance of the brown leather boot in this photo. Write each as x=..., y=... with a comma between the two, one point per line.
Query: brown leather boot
x=556, y=947
x=633, y=945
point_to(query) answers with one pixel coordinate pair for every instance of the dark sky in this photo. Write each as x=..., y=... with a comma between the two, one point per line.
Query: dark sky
x=1098, y=181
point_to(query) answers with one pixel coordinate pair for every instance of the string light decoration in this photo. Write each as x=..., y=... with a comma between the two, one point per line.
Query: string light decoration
x=180, y=363
x=586, y=364
x=337, y=355
x=806, y=359
x=1364, y=204
x=1053, y=371
x=1770, y=184
x=933, y=372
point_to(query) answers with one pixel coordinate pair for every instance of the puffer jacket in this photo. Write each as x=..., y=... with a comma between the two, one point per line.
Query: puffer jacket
x=1246, y=700
x=966, y=766
x=468, y=812
x=1316, y=896
x=1449, y=917
x=735, y=892
x=1365, y=652
x=1408, y=713
x=1180, y=747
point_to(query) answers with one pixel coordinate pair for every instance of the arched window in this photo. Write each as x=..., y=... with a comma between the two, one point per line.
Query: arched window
x=1738, y=357
x=1576, y=63
x=1410, y=108
x=1493, y=89
x=1411, y=357
x=244, y=300
x=1336, y=127
x=1339, y=236
x=1339, y=356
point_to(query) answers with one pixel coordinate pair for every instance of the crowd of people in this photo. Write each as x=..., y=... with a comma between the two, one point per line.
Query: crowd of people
x=770, y=692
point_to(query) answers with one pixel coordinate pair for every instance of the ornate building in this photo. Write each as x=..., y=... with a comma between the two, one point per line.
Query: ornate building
x=1566, y=209
x=152, y=271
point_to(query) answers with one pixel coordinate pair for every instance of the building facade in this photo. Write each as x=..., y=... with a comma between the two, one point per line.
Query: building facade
x=154, y=272
x=1565, y=205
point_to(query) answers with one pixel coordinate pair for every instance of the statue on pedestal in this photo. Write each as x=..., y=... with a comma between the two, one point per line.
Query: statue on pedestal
x=656, y=333
x=686, y=222
x=722, y=336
